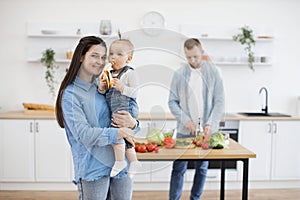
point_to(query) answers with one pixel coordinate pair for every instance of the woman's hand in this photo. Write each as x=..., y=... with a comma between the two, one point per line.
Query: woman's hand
x=123, y=119
x=127, y=134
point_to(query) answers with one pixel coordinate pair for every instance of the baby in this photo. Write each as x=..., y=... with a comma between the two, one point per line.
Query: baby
x=122, y=87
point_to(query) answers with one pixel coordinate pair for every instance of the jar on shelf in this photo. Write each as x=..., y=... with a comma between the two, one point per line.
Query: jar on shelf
x=69, y=54
x=105, y=27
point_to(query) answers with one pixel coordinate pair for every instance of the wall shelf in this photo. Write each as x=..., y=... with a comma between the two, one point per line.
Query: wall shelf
x=219, y=45
x=61, y=37
x=68, y=36
x=257, y=39
x=241, y=63
x=57, y=61
x=54, y=36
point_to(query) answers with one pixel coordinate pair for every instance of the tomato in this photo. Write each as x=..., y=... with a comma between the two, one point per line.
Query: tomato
x=150, y=146
x=169, y=143
x=205, y=146
x=142, y=148
x=198, y=141
x=156, y=150
x=136, y=147
x=194, y=141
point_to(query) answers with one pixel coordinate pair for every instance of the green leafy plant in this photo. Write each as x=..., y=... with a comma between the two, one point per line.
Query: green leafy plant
x=50, y=64
x=246, y=39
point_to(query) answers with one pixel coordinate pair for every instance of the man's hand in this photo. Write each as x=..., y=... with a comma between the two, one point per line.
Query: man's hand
x=207, y=129
x=190, y=125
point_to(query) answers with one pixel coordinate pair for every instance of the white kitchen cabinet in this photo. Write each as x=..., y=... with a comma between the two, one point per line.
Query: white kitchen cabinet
x=144, y=173
x=254, y=136
x=275, y=144
x=286, y=159
x=17, y=150
x=34, y=150
x=161, y=171
x=155, y=171
x=53, y=157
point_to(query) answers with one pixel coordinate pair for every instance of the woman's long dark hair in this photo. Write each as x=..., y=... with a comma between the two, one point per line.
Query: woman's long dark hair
x=83, y=46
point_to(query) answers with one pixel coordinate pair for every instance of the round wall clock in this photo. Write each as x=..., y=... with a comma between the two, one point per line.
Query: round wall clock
x=152, y=23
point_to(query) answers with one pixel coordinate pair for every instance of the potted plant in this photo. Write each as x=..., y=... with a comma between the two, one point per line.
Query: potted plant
x=246, y=39
x=49, y=62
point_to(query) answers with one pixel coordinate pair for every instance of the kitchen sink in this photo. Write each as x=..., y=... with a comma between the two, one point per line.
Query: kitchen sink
x=262, y=114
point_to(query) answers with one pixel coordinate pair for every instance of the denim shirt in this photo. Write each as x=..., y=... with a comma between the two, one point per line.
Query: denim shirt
x=213, y=96
x=86, y=118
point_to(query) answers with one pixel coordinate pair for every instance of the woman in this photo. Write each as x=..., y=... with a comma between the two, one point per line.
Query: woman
x=84, y=114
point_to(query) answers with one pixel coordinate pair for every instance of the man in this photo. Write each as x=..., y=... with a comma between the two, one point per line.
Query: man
x=196, y=92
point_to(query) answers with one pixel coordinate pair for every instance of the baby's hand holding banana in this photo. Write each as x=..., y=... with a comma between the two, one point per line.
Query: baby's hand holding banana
x=107, y=75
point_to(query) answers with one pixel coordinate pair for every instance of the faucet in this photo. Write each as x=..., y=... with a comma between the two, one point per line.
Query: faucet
x=266, y=106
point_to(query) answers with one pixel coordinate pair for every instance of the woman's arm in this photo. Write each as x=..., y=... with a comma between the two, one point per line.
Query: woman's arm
x=76, y=121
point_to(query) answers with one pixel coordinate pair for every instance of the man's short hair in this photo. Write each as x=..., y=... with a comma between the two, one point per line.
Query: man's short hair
x=190, y=43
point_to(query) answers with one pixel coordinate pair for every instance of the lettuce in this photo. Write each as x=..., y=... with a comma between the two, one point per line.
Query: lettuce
x=156, y=136
x=217, y=141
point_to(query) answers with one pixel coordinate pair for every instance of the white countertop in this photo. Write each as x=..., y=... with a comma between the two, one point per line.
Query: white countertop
x=142, y=116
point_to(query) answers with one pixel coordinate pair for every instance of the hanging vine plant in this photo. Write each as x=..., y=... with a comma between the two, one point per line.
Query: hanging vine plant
x=50, y=64
x=246, y=39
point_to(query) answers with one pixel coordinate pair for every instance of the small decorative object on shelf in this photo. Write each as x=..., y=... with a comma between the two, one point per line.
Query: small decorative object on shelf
x=119, y=34
x=78, y=32
x=246, y=38
x=49, y=32
x=105, y=27
x=49, y=62
x=69, y=54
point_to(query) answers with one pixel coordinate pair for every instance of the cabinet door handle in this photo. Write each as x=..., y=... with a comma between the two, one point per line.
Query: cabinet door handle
x=153, y=125
x=269, y=128
x=148, y=126
x=30, y=127
x=274, y=128
x=211, y=177
x=36, y=127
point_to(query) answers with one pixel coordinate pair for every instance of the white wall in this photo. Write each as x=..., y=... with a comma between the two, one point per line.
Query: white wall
x=24, y=82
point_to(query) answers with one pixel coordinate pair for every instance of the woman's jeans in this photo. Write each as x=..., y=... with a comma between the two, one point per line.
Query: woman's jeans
x=105, y=188
x=177, y=179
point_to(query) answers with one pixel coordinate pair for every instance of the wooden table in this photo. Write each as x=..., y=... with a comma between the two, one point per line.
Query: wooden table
x=234, y=152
